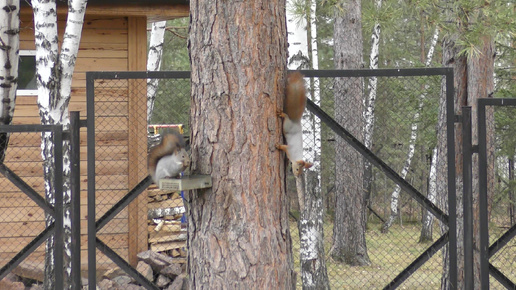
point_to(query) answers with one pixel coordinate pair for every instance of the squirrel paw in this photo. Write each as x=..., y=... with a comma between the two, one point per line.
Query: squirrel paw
x=281, y=114
x=281, y=147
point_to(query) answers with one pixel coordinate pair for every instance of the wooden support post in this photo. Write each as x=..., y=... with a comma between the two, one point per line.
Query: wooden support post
x=137, y=50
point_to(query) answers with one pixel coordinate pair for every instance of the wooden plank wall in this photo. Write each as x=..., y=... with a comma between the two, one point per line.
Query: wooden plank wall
x=105, y=46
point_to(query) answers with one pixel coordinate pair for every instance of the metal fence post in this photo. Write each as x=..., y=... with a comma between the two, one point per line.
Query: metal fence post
x=92, y=232
x=75, y=186
x=467, y=200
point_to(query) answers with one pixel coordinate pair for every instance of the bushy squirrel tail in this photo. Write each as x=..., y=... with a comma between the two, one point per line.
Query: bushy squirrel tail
x=295, y=100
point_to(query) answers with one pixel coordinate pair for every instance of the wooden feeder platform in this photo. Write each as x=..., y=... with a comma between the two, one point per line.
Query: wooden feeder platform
x=185, y=183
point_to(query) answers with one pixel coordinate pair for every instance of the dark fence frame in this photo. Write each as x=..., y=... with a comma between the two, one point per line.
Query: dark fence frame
x=56, y=211
x=448, y=219
x=486, y=251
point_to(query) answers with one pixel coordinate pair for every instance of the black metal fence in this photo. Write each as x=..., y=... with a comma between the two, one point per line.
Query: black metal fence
x=397, y=257
x=31, y=221
x=405, y=125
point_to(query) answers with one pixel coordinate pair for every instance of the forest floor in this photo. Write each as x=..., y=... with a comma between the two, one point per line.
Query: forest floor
x=390, y=254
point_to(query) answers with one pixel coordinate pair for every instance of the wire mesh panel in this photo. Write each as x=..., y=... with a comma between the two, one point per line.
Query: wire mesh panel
x=31, y=222
x=397, y=119
x=131, y=114
x=496, y=198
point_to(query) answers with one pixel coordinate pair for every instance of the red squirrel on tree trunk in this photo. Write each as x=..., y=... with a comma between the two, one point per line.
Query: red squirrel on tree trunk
x=295, y=103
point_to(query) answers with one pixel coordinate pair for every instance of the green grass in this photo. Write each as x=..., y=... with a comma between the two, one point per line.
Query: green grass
x=389, y=253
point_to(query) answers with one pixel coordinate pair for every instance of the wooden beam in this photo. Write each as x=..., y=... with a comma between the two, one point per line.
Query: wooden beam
x=155, y=12
x=137, y=50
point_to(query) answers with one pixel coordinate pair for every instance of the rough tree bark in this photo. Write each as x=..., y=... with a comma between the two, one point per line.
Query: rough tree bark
x=349, y=243
x=473, y=79
x=9, y=47
x=154, y=63
x=238, y=231
x=54, y=72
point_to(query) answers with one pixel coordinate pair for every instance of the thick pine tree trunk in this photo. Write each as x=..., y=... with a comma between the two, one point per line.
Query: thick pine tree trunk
x=9, y=46
x=239, y=236
x=154, y=63
x=54, y=72
x=480, y=76
x=349, y=243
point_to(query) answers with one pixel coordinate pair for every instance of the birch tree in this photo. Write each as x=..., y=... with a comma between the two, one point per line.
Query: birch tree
x=412, y=141
x=9, y=48
x=154, y=63
x=238, y=230
x=349, y=243
x=54, y=70
x=371, y=100
x=311, y=224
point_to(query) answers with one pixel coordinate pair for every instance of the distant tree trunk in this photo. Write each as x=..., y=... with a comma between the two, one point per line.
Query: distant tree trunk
x=370, y=103
x=297, y=38
x=54, y=72
x=311, y=233
x=428, y=218
x=9, y=47
x=349, y=243
x=512, y=202
x=154, y=63
x=238, y=231
x=311, y=230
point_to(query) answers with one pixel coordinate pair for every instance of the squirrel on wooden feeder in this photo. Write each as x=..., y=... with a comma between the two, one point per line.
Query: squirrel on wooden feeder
x=169, y=158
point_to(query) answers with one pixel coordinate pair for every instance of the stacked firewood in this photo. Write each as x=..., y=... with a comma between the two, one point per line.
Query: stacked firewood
x=167, y=234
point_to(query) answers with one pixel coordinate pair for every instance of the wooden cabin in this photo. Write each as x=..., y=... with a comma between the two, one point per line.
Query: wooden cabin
x=114, y=38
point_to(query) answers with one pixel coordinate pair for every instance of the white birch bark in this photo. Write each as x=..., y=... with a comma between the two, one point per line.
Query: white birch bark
x=428, y=218
x=154, y=63
x=297, y=39
x=370, y=101
x=312, y=260
x=412, y=141
x=54, y=72
x=372, y=84
x=312, y=136
x=297, y=51
x=9, y=48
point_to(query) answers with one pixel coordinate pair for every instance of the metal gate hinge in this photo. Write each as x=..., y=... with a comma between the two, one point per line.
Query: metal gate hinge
x=474, y=148
x=457, y=118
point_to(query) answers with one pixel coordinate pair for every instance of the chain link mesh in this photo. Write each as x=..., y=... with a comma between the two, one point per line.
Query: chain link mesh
x=402, y=106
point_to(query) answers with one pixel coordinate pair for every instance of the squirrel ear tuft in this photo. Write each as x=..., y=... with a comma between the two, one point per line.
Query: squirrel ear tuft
x=308, y=165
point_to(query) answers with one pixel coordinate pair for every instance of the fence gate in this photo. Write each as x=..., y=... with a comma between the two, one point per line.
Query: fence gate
x=24, y=209
x=448, y=238
x=112, y=96
x=496, y=246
